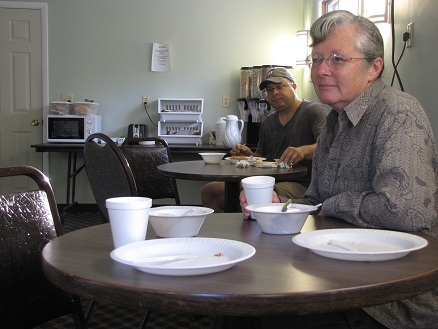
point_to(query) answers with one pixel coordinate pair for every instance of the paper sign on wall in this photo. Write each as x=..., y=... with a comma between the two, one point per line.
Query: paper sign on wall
x=160, y=57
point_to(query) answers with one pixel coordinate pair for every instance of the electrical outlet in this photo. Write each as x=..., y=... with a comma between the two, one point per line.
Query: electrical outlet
x=67, y=98
x=145, y=99
x=225, y=101
x=410, y=30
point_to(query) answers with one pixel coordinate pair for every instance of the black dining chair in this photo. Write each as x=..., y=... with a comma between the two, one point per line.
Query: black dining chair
x=144, y=159
x=110, y=176
x=28, y=221
x=108, y=171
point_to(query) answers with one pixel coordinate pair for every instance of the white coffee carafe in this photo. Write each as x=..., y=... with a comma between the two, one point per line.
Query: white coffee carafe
x=233, y=133
x=220, y=128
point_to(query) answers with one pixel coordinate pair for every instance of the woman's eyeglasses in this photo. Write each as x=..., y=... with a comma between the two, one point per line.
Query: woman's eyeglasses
x=334, y=60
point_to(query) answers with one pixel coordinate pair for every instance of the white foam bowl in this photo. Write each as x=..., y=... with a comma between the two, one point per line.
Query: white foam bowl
x=170, y=221
x=273, y=221
x=212, y=157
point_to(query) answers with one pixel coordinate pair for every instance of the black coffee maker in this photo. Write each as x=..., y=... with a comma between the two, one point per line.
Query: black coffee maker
x=253, y=112
x=252, y=133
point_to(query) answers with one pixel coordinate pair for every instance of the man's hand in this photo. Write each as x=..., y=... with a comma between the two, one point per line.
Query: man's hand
x=241, y=149
x=296, y=154
x=292, y=155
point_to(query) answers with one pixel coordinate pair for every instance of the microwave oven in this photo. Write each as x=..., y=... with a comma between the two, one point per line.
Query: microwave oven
x=72, y=128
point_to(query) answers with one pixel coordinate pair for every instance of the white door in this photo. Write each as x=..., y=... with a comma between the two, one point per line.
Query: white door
x=21, y=90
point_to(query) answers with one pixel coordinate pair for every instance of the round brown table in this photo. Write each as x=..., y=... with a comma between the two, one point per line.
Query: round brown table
x=281, y=278
x=227, y=172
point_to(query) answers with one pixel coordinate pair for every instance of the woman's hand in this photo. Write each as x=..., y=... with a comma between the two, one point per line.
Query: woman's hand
x=244, y=203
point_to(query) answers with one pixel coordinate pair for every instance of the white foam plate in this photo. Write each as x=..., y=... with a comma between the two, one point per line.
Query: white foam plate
x=150, y=143
x=210, y=255
x=370, y=244
x=247, y=158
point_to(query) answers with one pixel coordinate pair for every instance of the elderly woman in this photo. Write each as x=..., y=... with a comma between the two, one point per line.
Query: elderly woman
x=376, y=163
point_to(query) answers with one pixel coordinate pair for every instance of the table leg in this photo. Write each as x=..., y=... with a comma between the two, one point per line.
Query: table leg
x=72, y=171
x=73, y=177
x=68, y=176
x=232, y=192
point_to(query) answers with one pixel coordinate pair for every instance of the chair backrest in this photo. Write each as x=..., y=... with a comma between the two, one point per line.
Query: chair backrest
x=28, y=221
x=144, y=160
x=108, y=170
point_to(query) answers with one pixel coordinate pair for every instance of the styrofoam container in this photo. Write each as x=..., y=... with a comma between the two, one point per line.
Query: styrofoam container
x=273, y=221
x=178, y=221
x=212, y=158
x=128, y=218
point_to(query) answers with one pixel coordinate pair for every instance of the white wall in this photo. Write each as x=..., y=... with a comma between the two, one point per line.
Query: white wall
x=418, y=69
x=101, y=50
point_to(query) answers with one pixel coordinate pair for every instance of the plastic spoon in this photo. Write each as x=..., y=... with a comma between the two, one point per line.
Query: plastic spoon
x=188, y=212
x=163, y=258
x=284, y=208
x=185, y=213
x=341, y=245
x=287, y=205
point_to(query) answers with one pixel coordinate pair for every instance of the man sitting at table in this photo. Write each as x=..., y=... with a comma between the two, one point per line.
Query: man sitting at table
x=288, y=134
x=376, y=164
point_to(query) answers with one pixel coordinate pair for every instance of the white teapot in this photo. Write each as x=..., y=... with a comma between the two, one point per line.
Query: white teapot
x=232, y=134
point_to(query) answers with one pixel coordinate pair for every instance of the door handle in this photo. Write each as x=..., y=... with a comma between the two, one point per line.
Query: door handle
x=35, y=123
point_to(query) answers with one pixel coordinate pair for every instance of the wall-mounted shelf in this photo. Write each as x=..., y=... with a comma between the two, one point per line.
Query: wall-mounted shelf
x=172, y=109
x=180, y=120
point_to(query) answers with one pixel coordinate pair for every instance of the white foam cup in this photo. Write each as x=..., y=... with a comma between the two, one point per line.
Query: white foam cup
x=258, y=189
x=128, y=218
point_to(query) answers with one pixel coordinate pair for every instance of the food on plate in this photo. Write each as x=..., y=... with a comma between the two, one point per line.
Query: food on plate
x=238, y=158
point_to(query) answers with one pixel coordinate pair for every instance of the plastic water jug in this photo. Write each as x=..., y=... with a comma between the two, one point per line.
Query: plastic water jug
x=220, y=128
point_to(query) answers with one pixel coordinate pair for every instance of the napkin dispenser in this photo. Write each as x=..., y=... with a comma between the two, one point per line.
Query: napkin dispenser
x=136, y=130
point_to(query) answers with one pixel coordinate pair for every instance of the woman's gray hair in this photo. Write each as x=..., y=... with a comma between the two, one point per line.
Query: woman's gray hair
x=369, y=41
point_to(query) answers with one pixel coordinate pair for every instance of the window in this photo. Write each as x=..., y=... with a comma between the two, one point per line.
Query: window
x=375, y=10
